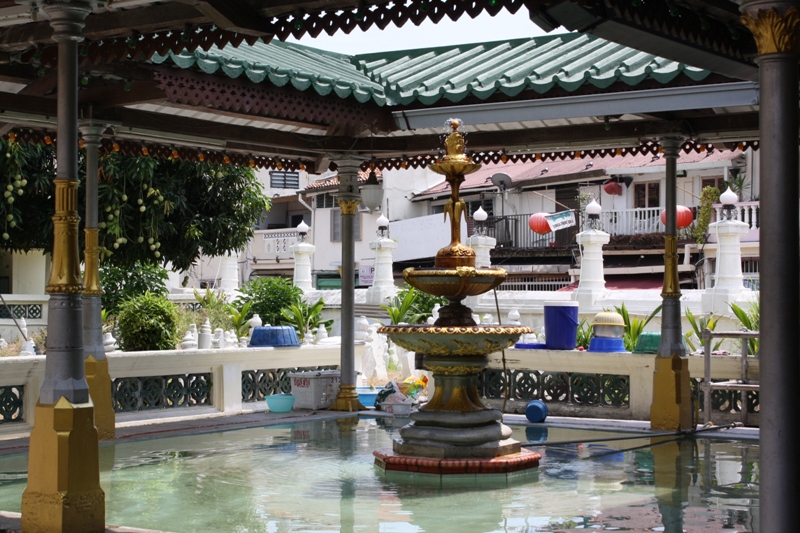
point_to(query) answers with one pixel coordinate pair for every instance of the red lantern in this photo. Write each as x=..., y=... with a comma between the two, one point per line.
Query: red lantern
x=683, y=216
x=612, y=187
x=539, y=224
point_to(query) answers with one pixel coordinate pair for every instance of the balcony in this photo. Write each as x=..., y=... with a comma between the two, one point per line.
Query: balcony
x=271, y=248
x=512, y=231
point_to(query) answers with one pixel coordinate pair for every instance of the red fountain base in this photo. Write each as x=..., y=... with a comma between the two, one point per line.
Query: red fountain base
x=390, y=461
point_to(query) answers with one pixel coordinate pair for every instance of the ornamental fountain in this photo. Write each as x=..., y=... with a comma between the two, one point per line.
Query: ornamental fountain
x=454, y=432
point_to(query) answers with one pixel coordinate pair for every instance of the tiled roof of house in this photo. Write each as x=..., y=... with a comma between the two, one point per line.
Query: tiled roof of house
x=526, y=174
x=452, y=73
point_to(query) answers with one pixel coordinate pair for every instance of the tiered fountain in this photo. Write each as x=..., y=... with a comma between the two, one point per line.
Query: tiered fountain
x=454, y=432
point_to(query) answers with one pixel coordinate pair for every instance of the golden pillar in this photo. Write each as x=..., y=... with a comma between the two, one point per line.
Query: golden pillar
x=63, y=492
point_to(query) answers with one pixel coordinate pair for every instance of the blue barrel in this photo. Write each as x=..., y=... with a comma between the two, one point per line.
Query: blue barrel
x=536, y=411
x=561, y=325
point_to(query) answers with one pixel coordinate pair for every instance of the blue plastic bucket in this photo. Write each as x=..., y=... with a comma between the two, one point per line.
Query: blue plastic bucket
x=561, y=325
x=536, y=411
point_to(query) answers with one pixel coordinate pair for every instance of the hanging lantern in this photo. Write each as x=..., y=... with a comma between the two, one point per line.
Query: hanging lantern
x=683, y=216
x=539, y=224
x=613, y=188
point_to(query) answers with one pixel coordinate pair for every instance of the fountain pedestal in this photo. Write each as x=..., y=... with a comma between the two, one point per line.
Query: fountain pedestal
x=454, y=432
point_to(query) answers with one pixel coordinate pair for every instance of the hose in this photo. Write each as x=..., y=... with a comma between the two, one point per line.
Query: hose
x=677, y=435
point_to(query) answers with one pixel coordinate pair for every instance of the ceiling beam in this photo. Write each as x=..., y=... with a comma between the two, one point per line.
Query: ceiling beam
x=43, y=85
x=173, y=15
x=234, y=15
x=113, y=95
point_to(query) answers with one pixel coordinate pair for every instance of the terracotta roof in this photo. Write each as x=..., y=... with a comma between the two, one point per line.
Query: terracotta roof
x=527, y=174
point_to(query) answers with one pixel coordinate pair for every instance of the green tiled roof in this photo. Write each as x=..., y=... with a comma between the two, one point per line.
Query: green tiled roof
x=567, y=61
x=540, y=63
x=285, y=63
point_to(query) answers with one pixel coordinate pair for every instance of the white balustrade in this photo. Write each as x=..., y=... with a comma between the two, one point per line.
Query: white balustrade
x=276, y=243
x=747, y=212
x=637, y=221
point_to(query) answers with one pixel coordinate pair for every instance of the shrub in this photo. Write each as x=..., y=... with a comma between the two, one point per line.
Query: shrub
x=120, y=284
x=267, y=296
x=148, y=322
x=305, y=318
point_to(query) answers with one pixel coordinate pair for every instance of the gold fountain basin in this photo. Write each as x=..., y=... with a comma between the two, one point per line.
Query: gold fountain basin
x=455, y=283
x=454, y=340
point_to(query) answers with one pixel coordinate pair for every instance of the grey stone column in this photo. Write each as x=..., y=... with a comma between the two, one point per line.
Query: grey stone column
x=92, y=296
x=64, y=368
x=776, y=28
x=671, y=335
x=349, y=200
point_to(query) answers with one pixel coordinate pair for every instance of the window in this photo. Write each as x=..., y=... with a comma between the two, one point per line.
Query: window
x=472, y=206
x=647, y=194
x=325, y=201
x=336, y=226
x=279, y=179
x=716, y=181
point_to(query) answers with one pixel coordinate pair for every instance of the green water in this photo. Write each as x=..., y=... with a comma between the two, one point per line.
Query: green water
x=313, y=477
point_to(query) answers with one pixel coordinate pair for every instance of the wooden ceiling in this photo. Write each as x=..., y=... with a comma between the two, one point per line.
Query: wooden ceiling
x=125, y=91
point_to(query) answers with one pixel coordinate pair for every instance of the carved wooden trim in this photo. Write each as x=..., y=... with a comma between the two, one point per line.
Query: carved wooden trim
x=775, y=33
x=193, y=89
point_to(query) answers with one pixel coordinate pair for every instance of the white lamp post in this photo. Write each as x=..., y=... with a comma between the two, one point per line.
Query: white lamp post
x=592, y=282
x=302, y=251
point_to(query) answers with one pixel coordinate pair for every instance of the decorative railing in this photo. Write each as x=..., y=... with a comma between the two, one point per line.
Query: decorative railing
x=534, y=283
x=274, y=243
x=747, y=212
x=161, y=392
x=11, y=406
x=562, y=387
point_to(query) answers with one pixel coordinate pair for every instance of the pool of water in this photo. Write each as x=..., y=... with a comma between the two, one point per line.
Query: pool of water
x=319, y=476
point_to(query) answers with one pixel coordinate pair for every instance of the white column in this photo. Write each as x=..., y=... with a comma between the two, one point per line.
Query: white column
x=592, y=282
x=229, y=273
x=482, y=244
x=383, y=286
x=728, y=279
x=302, y=265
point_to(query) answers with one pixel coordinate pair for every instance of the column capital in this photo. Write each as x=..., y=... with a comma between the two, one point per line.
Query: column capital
x=775, y=26
x=671, y=144
x=92, y=131
x=68, y=18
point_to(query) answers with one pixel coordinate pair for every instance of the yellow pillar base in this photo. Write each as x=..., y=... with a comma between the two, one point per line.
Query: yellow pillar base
x=347, y=400
x=100, y=390
x=672, y=394
x=63, y=493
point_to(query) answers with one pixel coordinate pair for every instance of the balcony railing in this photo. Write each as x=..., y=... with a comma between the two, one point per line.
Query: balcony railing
x=270, y=244
x=747, y=212
x=638, y=221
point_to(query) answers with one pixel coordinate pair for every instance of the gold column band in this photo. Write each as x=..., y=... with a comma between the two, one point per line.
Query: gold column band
x=671, y=285
x=775, y=33
x=66, y=273
x=91, y=254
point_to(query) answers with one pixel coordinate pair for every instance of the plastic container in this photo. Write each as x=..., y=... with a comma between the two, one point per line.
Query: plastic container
x=315, y=390
x=367, y=395
x=278, y=336
x=280, y=403
x=561, y=325
x=530, y=346
x=396, y=408
x=603, y=344
x=648, y=342
x=536, y=411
